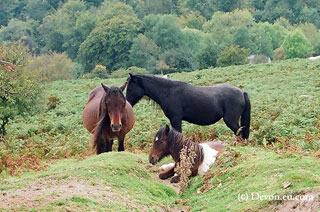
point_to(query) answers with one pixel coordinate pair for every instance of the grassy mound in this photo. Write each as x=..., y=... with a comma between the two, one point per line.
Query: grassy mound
x=121, y=182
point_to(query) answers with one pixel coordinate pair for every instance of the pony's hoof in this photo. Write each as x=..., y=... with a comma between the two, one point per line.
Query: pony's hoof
x=175, y=179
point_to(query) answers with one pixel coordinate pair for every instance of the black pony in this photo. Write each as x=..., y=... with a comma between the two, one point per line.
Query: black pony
x=195, y=104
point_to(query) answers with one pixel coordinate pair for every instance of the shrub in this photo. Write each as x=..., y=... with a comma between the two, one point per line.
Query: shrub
x=296, y=45
x=279, y=54
x=53, y=102
x=52, y=67
x=125, y=72
x=233, y=55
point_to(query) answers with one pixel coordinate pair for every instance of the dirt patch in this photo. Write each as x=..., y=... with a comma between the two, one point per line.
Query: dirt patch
x=309, y=202
x=45, y=191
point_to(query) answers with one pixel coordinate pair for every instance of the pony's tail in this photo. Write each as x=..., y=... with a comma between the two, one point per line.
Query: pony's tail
x=98, y=142
x=245, y=117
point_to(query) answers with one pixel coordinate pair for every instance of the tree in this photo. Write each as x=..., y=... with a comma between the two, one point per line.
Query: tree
x=313, y=35
x=19, y=91
x=233, y=55
x=296, y=45
x=192, y=20
x=36, y=9
x=166, y=33
x=110, y=10
x=109, y=43
x=224, y=26
x=144, y=53
x=67, y=28
x=24, y=31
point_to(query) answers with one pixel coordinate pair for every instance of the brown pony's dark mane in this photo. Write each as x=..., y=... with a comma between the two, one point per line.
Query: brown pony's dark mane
x=177, y=141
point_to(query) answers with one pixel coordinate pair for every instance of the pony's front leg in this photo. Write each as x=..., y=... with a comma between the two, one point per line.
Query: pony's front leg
x=176, y=123
x=109, y=145
x=121, y=143
x=166, y=174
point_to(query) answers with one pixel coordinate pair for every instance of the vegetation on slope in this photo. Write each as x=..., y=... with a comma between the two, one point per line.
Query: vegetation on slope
x=285, y=114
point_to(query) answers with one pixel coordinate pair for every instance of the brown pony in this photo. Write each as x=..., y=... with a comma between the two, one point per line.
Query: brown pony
x=106, y=115
x=169, y=141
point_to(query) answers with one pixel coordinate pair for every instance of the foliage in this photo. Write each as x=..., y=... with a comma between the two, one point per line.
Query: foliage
x=19, y=91
x=99, y=71
x=67, y=28
x=144, y=53
x=53, y=102
x=233, y=55
x=279, y=54
x=313, y=35
x=123, y=73
x=192, y=20
x=52, y=67
x=296, y=45
x=111, y=37
x=23, y=31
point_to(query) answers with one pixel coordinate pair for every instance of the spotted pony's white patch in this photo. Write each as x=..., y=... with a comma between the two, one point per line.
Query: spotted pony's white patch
x=209, y=157
x=166, y=167
x=157, y=138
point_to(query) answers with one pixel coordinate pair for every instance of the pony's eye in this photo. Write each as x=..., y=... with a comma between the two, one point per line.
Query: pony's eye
x=156, y=139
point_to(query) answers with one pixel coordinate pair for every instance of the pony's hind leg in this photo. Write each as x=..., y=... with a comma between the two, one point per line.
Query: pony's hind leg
x=232, y=123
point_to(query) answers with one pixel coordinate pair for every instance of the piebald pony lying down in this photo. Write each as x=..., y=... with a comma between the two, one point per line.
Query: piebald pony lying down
x=169, y=141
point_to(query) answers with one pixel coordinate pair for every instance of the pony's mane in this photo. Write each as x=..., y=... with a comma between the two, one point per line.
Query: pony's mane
x=177, y=141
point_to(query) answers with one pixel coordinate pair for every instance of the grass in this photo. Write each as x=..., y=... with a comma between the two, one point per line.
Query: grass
x=284, y=143
x=132, y=187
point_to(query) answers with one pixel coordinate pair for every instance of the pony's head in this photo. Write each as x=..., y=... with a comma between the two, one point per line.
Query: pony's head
x=161, y=145
x=135, y=91
x=115, y=103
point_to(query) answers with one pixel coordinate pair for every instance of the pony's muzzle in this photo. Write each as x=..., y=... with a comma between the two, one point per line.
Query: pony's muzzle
x=153, y=160
x=116, y=127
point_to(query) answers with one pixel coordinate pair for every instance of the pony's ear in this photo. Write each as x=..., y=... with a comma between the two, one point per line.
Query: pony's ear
x=106, y=88
x=167, y=129
x=132, y=77
x=124, y=86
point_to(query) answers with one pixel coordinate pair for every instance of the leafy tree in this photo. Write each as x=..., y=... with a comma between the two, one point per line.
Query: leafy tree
x=166, y=33
x=109, y=43
x=205, y=7
x=227, y=5
x=110, y=10
x=24, y=31
x=19, y=91
x=36, y=9
x=224, y=26
x=233, y=55
x=296, y=45
x=144, y=53
x=10, y=9
x=66, y=29
x=313, y=35
x=147, y=7
x=51, y=67
x=209, y=52
x=192, y=20
x=242, y=39
x=262, y=41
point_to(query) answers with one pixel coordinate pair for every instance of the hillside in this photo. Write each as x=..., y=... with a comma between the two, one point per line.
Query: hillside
x=284, y=148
